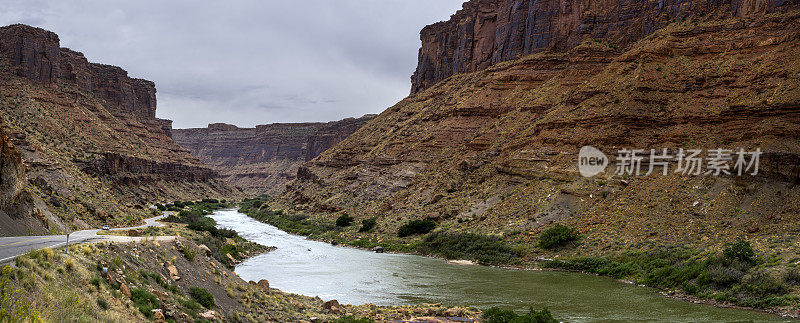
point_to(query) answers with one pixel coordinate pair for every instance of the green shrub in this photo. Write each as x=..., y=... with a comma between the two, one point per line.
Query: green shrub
x=368, y=224
x=344, y=220
x=352, y=319
x=497, y=315
x=161, y=207
x=741, y=251
x=484, y=249
x=102, y=303
x=211, y=201
x=416, y=227
x=557, y=236
x=188, y=252
x=202, y=296
x=144, y=301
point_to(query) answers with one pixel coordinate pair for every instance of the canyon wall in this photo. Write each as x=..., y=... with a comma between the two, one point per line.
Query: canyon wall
x=495, y=151
x=263, y=159
x=92, y=149
x=487, y=32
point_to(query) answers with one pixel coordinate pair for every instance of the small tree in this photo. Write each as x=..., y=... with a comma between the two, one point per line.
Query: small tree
x=416, y=227
x=557, y=236
x=741, y=251
x=344, y=220
x=202, y=296
x=368, y=224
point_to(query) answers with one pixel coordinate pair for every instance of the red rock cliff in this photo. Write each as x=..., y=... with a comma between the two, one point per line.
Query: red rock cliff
x=88, y=136
x=35, y=53
x=486, y=32
x=264, y=158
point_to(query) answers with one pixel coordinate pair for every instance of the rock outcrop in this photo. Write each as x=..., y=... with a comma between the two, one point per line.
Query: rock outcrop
x=87, y=136
x=263, y=159
x=494, y=151
x=487, y=32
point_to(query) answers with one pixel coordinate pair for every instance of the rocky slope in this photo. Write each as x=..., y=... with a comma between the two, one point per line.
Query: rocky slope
x=494, y=151
x=92, y=149
x=263, y=159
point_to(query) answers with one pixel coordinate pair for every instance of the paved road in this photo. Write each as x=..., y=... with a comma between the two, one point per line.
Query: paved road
x=11, y=247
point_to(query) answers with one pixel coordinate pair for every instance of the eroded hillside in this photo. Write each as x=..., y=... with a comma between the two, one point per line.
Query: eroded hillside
x=495, y=150
x=92, y=149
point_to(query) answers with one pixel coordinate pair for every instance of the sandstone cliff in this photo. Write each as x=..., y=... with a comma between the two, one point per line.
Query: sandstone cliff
x=494, y=151
x=486, y=32
x=87, y=134
x=263, y=159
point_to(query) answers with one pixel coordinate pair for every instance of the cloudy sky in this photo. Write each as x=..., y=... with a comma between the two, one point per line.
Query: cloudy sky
x=249, y=62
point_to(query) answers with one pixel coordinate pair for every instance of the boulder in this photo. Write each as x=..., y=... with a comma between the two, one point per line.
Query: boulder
x=205, y=249
x=173, y=272
x=158, y=315
x=264, y=284
x=208, y=315
x=123, y=288
x=333, y=307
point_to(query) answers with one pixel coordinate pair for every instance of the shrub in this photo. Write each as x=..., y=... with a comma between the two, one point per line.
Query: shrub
x=344, y=220
x=212, y=201
x=368, y=224
x=352, y=319
x=792, y=276
x=102, y=303
x=416, y=227
x=144, y=301
x=202, y=296
x=497, y=315
x=557, y=236
x=484, y=249
x=741, y=251
x=161, y=207
x=188, y=252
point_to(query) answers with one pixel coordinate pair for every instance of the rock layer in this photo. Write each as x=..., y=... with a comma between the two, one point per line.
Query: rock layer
x=487, y=32
x=263, y=159
x=92, y=149
x=495, y=151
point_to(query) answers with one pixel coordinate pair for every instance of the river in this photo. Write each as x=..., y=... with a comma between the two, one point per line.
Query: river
x=357, y=276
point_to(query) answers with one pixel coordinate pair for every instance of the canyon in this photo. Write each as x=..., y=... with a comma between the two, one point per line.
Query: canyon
x=81, y=141
x=488, y=140
x=263, y=159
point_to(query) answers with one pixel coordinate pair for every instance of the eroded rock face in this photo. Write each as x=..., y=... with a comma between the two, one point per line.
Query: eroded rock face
x=33, y=52
x=264, y=158
x=495, y=151
x=88, y=136
x=487, y=32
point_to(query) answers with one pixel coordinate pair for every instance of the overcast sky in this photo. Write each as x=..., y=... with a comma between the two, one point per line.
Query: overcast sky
x=252, y=61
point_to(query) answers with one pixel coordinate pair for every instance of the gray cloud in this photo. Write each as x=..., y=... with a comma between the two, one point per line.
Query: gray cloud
x=249, y=62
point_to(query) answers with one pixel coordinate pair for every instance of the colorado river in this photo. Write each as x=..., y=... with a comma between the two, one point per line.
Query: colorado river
x=356, y=276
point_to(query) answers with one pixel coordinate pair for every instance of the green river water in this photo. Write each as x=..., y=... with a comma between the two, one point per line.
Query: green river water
x=357, y=276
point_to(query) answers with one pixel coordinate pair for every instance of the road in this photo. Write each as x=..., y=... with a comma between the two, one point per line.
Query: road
x=11, y=247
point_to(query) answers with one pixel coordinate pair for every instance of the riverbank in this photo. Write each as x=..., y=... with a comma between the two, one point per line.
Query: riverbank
x=680, y=272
